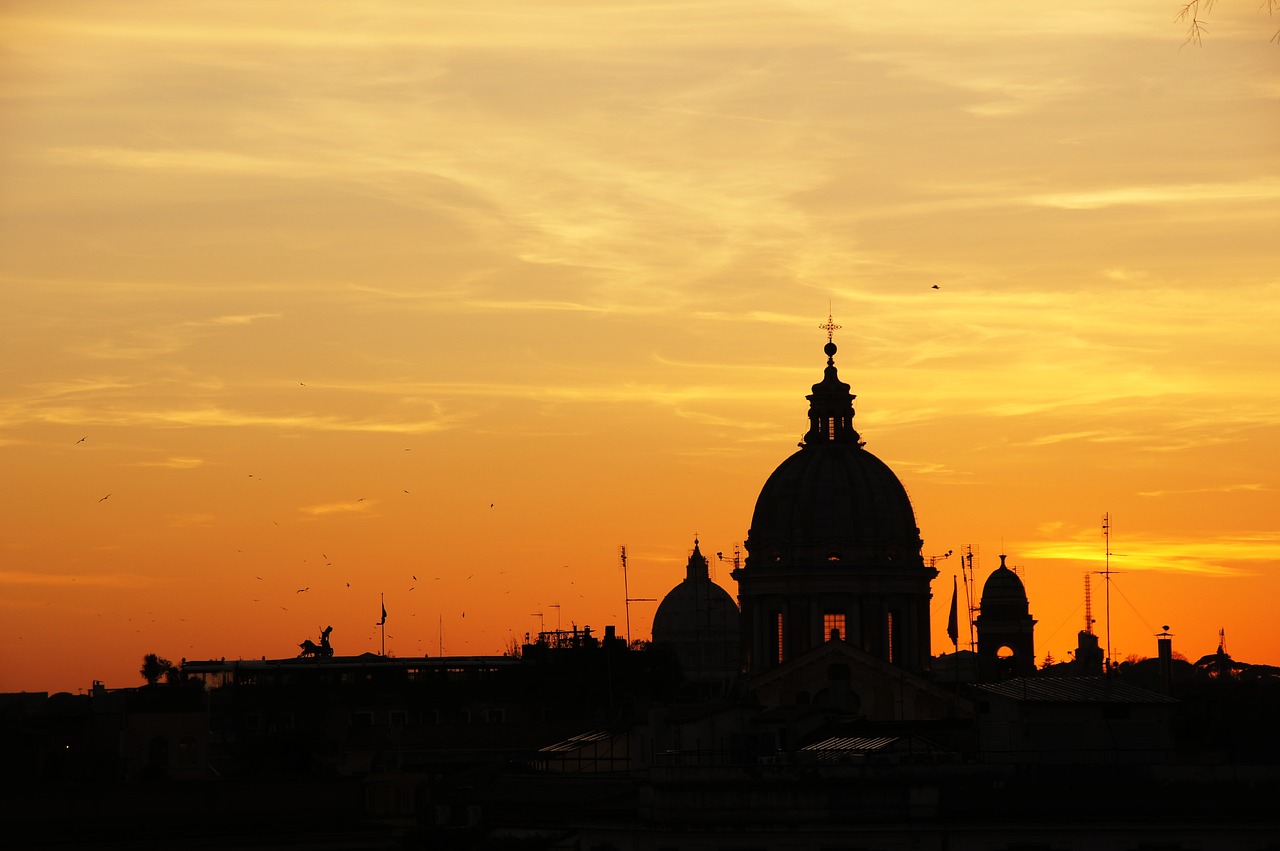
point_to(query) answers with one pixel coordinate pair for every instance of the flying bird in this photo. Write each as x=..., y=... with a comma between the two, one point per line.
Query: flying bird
x=104, y=497
x=300, y=590
x=936, y=287
x=83, y=439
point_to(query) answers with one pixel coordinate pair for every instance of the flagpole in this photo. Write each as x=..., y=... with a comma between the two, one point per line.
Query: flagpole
x=953, y=630
x=953, y=621
x=382, y=624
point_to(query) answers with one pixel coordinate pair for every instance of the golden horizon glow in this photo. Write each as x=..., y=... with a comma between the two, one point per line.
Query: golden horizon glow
x=448, y=303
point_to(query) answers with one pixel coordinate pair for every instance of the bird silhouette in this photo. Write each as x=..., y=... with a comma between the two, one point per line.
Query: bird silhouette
x=936, y=287
x=300, y=590
x=83, y=439
x=104, y=497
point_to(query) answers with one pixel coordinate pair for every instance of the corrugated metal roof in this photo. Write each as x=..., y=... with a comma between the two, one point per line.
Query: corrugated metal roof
x=859, y=744
x=572, y=744
x=1073, y=690
x=856, y=748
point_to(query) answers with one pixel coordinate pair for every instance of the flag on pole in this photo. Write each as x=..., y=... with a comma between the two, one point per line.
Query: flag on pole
x=953, y=623
x=384, y=614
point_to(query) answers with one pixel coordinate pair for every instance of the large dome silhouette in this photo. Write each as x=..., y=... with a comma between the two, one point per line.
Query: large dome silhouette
x=834, y=552
x=833, y=501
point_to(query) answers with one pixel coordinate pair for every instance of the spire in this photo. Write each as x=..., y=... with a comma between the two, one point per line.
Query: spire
x=697, y=569
x=831, y=403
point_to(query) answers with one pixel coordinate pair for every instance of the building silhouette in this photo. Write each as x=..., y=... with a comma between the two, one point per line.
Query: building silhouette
x=699, y=620
x=1006, y=630
x=834, y=551
x=815, y=719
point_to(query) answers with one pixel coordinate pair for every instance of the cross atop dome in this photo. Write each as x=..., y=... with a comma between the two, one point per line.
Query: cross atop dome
x=830, y=348
x=831, y=328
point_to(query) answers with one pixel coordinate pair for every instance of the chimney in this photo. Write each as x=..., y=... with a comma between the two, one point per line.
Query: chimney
x=1164, y=653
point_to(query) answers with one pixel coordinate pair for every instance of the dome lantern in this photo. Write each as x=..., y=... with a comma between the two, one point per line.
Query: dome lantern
x=831, y=403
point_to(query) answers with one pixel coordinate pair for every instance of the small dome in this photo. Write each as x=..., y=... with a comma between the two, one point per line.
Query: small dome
x=1004, y=593
x=700, y=619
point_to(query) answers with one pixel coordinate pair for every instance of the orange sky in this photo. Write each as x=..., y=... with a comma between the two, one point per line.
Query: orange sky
x=333, y=296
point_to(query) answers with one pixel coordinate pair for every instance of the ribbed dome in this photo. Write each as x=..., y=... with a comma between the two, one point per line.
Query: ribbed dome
x=834, y=502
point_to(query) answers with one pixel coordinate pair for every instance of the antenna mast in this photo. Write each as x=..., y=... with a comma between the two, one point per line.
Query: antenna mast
x=626, y=590
x=966, y=571
x=1106, y=573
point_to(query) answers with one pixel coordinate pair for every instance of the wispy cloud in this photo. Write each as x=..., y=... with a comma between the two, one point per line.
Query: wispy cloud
x=1252, y=487
x=1262, y=189
x=174, y=463
x=95, y=580
x=1215, y=555
x=345, y=507
x=239, y=319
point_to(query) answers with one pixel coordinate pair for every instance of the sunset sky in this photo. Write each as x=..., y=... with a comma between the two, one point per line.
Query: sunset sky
x=448, y=301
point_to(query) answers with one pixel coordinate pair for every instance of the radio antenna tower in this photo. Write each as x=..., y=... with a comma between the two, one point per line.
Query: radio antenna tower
x=1088, y=606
